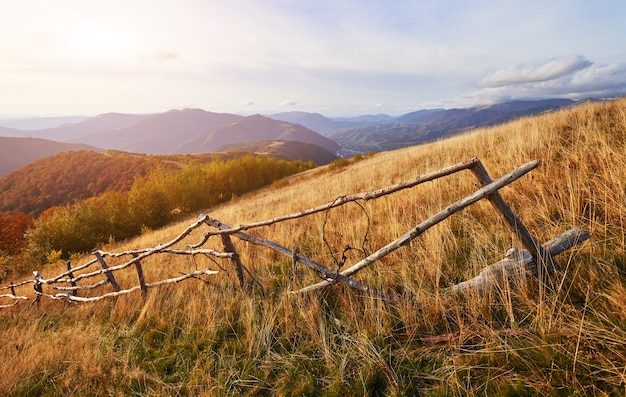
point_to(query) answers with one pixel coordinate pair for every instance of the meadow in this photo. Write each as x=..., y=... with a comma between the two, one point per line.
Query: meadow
x=213, y=339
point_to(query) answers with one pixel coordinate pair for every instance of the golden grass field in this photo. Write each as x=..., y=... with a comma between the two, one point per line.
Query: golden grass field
x=212, y=339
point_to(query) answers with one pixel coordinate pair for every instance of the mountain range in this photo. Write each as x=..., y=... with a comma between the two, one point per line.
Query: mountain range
x=195, y=130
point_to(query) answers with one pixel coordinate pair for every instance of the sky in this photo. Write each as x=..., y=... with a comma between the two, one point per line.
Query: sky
x=335, y=57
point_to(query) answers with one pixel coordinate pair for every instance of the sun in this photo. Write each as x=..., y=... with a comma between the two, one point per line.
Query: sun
x=103, y=44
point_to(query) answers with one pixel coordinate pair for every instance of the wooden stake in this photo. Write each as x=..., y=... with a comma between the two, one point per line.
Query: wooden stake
x=142, y=283
x=71, y=276
x=108, y=273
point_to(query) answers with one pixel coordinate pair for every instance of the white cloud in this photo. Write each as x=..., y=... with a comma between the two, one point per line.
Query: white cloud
x=289, y=102
x=574, y=78
x=522, y=74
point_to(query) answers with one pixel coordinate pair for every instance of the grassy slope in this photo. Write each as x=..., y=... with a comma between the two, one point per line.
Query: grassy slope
x=211, y=339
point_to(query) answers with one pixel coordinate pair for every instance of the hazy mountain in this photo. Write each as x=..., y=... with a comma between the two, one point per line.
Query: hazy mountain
x=17, y=152
x=5, y=131
x=160, y=133
x=38, y=123
x=327, y=126
x=251, y=129
x=427, y=125
x=367, y=118
x=284, y=150
x=72, y=132
x=313, y=121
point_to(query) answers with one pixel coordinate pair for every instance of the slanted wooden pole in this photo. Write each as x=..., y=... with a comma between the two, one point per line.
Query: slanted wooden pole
x=109, y=275
x=71, y=276
x=230, y=247
x=142, y=283
x=541, y=255
x=12, y=289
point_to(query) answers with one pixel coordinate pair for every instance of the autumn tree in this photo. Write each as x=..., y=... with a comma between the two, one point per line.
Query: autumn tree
x=12, y=230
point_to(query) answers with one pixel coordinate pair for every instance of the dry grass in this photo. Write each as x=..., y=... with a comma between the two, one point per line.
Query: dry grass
x=211, y=339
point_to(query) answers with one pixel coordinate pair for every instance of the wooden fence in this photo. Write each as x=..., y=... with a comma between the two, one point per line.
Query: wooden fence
x=536, y=259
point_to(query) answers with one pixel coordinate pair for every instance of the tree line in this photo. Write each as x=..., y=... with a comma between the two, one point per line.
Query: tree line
x=153, y=201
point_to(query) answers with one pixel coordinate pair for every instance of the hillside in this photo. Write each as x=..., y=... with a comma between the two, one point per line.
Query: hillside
x=211, y=338
x=283, y=150
x=17, y=152
x=68, y=177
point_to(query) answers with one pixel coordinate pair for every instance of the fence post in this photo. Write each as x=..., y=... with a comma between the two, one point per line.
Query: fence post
x=142, y=283
x=71, y=275
x=12, y=289
x=109, y=275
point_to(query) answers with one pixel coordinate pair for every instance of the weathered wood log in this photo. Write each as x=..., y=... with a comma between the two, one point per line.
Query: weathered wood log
x=432, y=221
x=464, y=165
x=329, y=274
x=107, y=272
x=518, y=262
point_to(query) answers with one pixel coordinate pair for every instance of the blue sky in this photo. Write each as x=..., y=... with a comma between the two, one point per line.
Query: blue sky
x=335, y=57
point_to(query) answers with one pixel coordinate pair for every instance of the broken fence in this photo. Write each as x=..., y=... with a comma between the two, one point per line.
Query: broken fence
x=535, y=259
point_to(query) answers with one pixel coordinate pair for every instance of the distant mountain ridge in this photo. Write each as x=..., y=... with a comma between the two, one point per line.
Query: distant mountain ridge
x=431, y=124
x=197, y=130
x=254, y=128
x=18, y=152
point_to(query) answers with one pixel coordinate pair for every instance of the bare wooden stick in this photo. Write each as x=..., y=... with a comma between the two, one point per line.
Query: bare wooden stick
x=528, y=240
x=17, y=285
x=432, y=221
x=16, y=300
x=73, y=298
x=519, y=262
x=345, y=199
x=13, y=296
x=81, y=287
x=334, y=276
x=211, y=252
x=108, y=272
